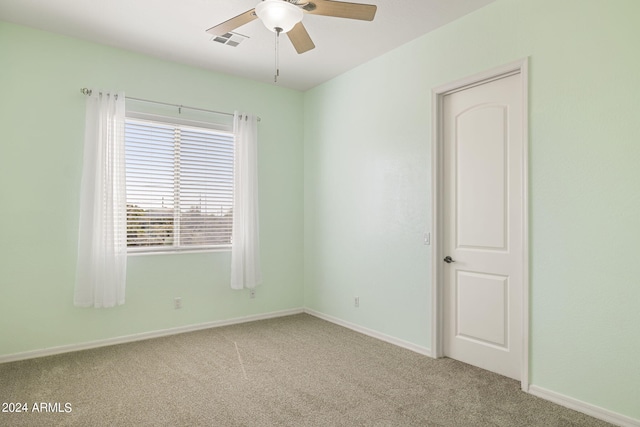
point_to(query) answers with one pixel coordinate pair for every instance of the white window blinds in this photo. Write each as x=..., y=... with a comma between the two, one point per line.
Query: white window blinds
x=179, y=186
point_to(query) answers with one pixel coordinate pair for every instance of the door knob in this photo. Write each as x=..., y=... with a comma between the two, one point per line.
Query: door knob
x=448, y=259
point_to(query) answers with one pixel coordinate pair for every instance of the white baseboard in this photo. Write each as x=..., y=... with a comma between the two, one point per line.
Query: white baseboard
x=560, y=399
x=585, y=408
x=370, y=332
x=144, y=336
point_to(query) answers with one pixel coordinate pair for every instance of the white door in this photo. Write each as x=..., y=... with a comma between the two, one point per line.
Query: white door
x=483, y=225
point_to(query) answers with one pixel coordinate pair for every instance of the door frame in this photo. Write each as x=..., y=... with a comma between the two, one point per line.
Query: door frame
x=437, y=182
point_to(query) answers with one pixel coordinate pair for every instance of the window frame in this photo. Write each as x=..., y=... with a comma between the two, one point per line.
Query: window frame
x=225, y=131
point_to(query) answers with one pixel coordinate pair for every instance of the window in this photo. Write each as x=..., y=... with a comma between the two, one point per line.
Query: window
x=179, y=186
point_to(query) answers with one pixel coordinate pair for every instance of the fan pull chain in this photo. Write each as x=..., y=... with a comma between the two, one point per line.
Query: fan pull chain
x=275, y=77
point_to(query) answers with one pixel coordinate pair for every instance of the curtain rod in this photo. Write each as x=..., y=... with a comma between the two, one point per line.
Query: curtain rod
x=86, y=91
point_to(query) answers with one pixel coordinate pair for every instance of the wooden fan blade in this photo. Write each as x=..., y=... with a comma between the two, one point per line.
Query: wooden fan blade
x=233, y=23
x=364, y=12
x=300, y=38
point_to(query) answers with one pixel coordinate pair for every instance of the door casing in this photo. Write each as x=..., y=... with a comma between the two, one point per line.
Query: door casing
x=437, y=180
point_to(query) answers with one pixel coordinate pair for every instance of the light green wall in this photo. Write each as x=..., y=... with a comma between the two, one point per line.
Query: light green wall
x=42, y=120
x=367, y=186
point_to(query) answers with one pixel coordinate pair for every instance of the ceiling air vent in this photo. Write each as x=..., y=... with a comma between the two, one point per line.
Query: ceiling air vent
x=230, y=39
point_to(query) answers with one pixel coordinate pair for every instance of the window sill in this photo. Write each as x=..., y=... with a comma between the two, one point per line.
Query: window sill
x=178, y=251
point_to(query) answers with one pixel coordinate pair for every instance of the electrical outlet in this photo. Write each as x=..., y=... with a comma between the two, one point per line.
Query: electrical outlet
x=252, y=293
x=177, y=303
x=356, y=302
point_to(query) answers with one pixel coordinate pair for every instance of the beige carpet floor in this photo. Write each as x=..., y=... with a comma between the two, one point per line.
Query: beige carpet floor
x=291, y=371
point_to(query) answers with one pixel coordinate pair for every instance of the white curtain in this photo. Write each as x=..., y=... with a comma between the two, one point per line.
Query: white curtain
x=102, y=246
x=245, y=249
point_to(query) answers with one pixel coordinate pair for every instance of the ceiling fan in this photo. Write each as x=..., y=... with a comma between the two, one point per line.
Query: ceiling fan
x=285, y=16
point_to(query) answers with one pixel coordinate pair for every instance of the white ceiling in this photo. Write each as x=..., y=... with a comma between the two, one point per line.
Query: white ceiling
x=175, y=30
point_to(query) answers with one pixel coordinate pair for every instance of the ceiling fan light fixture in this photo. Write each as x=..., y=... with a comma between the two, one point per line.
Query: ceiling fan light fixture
x=279, y=14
